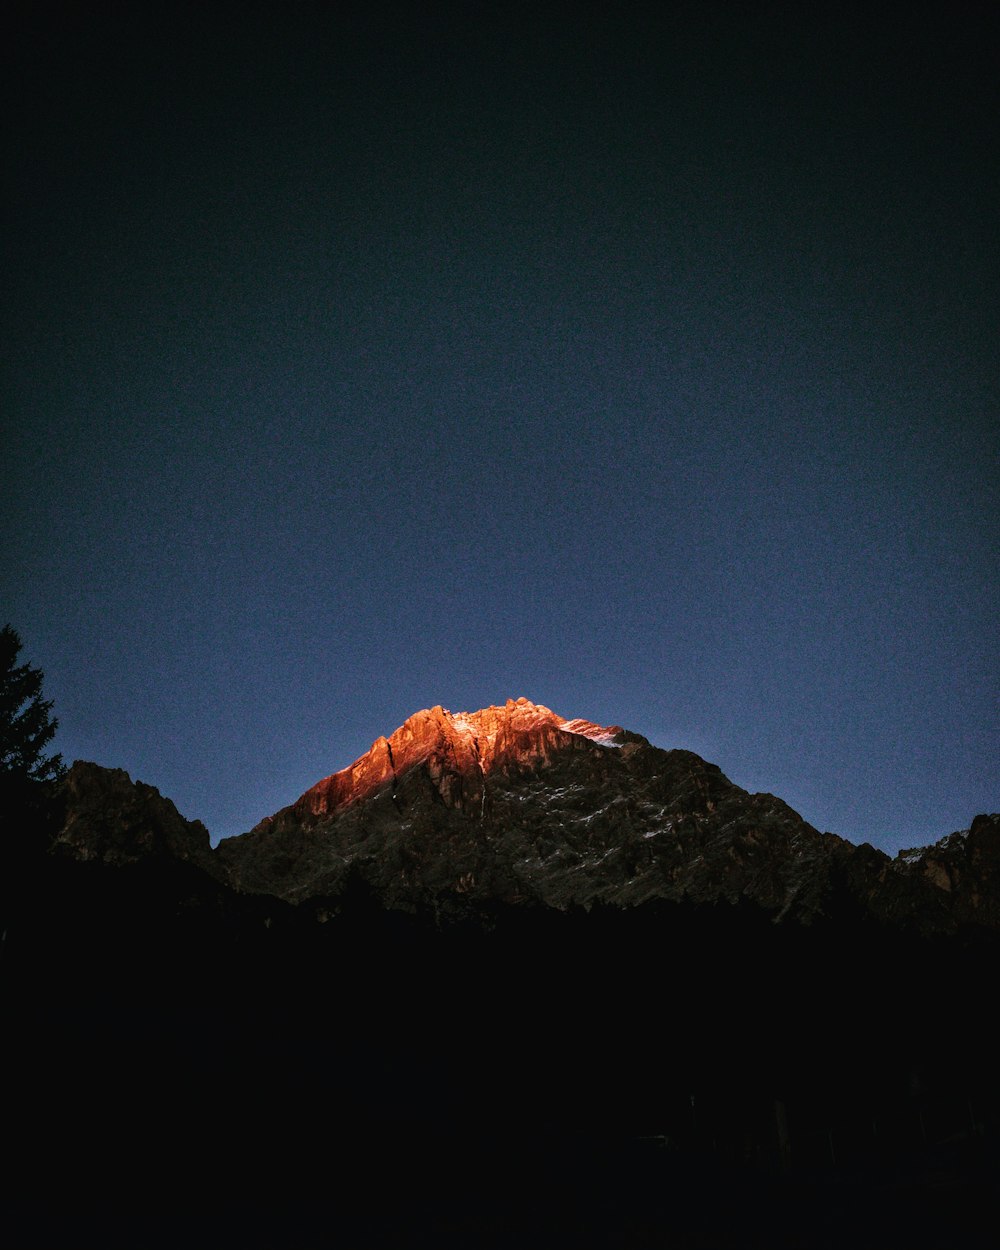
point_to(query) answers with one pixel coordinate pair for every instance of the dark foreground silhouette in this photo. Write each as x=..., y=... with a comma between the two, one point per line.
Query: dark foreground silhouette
x=187, y=1066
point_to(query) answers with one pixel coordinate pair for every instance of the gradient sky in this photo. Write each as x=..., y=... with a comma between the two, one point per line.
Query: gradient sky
x=644, y=364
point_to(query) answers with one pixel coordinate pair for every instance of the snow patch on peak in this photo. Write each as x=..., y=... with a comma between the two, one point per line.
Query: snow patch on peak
x=914, y=855
x=603, y=735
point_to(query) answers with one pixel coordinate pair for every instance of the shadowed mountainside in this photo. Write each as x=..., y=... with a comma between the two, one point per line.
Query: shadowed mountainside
x=518, y=805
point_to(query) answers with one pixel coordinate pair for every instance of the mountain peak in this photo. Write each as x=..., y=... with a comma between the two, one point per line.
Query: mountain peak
x=521, y=715
x=460, y=747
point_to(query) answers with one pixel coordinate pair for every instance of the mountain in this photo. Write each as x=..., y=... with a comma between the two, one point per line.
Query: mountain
x=509, y=978
x=516, y=804
x=108, y=817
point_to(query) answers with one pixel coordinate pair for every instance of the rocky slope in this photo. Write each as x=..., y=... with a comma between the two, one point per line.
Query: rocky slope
x=105, y=816
x=964, y=868
x=516, y=804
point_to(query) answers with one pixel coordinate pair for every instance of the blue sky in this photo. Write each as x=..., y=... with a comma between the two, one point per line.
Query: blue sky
x=644, y=365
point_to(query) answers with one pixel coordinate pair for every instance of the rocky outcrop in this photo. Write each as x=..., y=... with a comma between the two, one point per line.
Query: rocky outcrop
x=458, y=751
x=963, y=869
x=106, y=816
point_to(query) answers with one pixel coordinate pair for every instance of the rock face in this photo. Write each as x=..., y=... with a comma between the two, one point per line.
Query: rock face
x=516, y=804
x=459, y=752
x=964, y=867
x=108, y=817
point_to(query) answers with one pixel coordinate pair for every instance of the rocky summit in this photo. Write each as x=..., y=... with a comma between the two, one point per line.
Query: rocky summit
x=516, y=804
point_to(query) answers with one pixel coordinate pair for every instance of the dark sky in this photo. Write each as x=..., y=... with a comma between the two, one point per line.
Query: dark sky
x=644, y=364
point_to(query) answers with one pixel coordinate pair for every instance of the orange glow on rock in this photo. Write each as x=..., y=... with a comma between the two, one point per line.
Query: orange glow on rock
x=460, y=750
